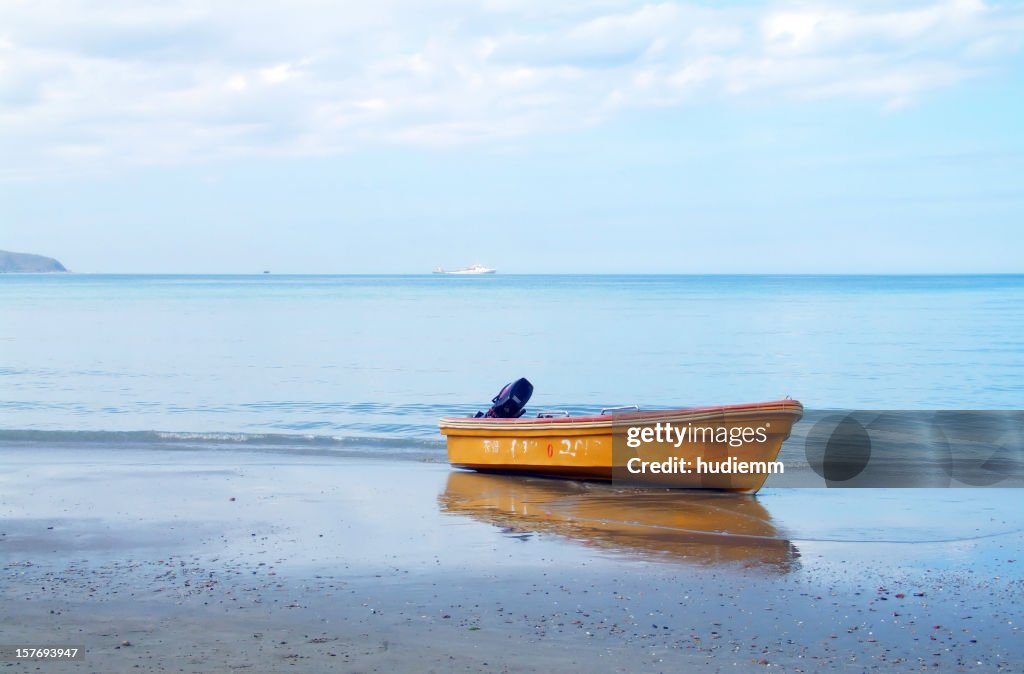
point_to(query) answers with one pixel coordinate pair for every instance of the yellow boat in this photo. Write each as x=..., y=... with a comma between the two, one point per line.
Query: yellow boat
x=733, y=447
x=705, y=528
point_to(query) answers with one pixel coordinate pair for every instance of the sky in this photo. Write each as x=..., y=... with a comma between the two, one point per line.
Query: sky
x=534, y=137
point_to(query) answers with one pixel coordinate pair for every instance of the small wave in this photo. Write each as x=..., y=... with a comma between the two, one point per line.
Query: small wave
x=350, y=445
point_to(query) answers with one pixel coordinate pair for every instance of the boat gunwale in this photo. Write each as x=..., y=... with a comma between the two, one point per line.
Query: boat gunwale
x=790, y=406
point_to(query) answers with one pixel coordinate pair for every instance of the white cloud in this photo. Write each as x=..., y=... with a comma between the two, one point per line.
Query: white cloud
x=237, y=83
x=282, y=72
x=112, y=82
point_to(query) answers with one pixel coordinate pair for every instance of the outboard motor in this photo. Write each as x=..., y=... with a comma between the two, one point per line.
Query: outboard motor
x=510, y=403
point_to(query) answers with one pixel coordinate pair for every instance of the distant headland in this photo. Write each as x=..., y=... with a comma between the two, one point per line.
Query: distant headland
x=27, y=262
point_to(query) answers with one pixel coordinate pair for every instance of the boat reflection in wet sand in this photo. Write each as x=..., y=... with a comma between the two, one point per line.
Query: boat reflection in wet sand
x=700, y=527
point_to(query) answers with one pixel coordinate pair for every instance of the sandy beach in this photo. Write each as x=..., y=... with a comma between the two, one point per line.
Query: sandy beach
x=214, y=561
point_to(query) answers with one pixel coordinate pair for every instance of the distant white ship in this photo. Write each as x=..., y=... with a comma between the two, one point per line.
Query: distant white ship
x=473, y=269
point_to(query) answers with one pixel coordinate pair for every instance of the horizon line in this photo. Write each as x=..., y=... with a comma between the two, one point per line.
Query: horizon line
x=492, y=276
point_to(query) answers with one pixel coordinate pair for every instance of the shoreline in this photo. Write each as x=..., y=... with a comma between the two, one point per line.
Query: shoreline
x=214, y=561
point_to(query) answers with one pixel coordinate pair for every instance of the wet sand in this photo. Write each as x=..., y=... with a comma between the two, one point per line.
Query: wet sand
x=191, y=561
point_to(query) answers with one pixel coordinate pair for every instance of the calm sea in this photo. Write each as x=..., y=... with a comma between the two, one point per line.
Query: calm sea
x=373, y=361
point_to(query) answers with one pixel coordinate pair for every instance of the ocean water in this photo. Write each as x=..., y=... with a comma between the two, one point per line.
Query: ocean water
x=373, y=361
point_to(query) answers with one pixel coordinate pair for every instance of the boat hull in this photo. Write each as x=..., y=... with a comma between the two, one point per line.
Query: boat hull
x=611, y=447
